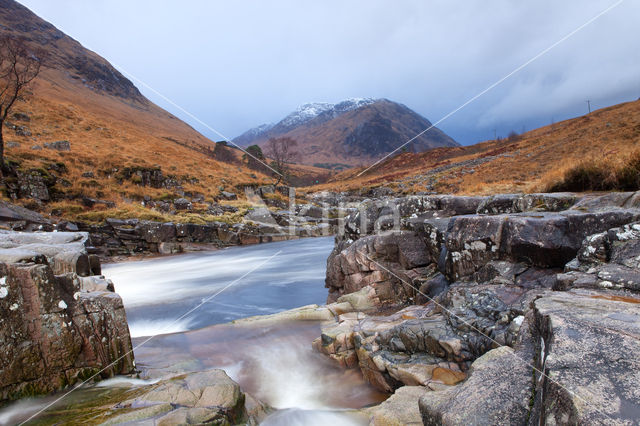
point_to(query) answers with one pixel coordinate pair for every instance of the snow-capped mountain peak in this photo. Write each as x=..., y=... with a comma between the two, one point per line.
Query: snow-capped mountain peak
x=312, y=110
x=303, y=114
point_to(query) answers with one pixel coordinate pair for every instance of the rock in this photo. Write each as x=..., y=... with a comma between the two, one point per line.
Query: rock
x=589, y=376
x=33, y=184
x=36, y=147
x=488, y=313
x=400, y=409
x=19, y=116
x=71, y=261
x=155, y=232
x=379, y=262
x=68, y=226
x=54, y=334
x=228, y=195
x=12, y=213
x=206, y=397
x=497, y=392
x=91, y=202
x=303, y=313
x=58, y=145
x=65, y=251
x=22, y=130
x=182, y=204
x=13, y=145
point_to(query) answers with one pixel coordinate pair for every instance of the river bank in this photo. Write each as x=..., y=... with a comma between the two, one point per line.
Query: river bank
x=434, y=300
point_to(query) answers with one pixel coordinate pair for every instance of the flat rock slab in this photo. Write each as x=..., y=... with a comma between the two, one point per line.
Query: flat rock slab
x=497, y=392
x=11, y=212
x=400, y=409
x=592, y=345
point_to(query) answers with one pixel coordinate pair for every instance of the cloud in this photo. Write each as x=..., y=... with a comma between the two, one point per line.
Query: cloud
x=238, y=64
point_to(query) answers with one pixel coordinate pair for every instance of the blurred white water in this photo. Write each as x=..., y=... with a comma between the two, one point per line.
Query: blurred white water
x=154, y=327
x=157, y=291
x=296, y=417
x=18, y=411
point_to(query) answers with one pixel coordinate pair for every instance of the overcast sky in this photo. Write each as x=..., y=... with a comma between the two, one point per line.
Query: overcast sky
x=237, y=64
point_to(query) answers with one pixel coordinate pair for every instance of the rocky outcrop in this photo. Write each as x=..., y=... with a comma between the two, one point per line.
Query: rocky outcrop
x=536, y=229
x=132, y=236
x=18, y=218
x=59, y=324
x=503, y=310
x=208, y=397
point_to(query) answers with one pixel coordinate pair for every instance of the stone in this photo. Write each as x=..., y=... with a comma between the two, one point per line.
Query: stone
x=401, y=408
x=14, y=213
x=54, y=334
x=497, y=392
x=205, y=397
x=461, y=304
x=228, y=195
x=586, y=341
x=32, y=184
x=182, y=204
x=58, y=145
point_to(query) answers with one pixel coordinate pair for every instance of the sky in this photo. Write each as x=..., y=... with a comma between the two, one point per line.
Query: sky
x=237, y=64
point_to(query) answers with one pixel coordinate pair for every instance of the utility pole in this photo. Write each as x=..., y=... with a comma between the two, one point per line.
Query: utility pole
x=589, y=105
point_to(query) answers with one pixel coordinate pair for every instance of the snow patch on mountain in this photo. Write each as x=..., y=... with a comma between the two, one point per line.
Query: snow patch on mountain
x=259, y=130
x=308, y=112
x=304, y=114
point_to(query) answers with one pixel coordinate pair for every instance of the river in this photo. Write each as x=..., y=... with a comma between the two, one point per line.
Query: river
x=273, y=362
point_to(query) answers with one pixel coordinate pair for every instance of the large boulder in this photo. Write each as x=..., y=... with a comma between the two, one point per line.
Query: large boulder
x=19, y=218
x=206, y=397
x=53, y=333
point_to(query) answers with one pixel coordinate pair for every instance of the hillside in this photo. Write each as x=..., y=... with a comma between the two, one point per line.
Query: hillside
x=525, y=163
x=122, y=148
x=352, y=132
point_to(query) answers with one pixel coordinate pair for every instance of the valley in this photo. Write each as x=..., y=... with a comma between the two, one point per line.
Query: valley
x=347, y=263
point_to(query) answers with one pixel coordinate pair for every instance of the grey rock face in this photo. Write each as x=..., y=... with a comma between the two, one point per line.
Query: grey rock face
x=496, y=338
x=56, y=328
x=590, y=377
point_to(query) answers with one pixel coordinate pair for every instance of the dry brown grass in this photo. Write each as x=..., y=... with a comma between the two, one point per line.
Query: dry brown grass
x=529, y=164
x=620, y=173
x=108, y=134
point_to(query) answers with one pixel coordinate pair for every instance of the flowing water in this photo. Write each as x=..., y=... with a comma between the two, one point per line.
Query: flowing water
x=274, y=362
x=158, y=291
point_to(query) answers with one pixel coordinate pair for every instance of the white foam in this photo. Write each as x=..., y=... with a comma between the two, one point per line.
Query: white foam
x=125, y=381
x=295, y=417
x=142, y=328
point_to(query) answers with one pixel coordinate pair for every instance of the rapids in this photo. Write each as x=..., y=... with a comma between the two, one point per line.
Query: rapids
x=272, y=361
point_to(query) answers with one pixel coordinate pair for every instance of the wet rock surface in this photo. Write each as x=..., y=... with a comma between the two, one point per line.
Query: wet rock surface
x=510, y=309
x=59, y=322
x=207, y=397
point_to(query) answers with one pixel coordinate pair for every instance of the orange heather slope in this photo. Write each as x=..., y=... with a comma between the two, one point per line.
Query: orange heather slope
x=111, y=127
x=526, y=163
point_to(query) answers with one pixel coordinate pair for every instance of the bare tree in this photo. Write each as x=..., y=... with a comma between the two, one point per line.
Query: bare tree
x=19, y=65
x=282, y=151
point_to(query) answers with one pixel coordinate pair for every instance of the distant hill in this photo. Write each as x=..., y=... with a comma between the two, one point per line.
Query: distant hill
x=529, y=162
x=352, y=132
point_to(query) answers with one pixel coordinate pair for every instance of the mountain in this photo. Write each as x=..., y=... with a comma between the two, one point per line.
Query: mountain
x=88, y=132
x=531, y=162
x=351, y=132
